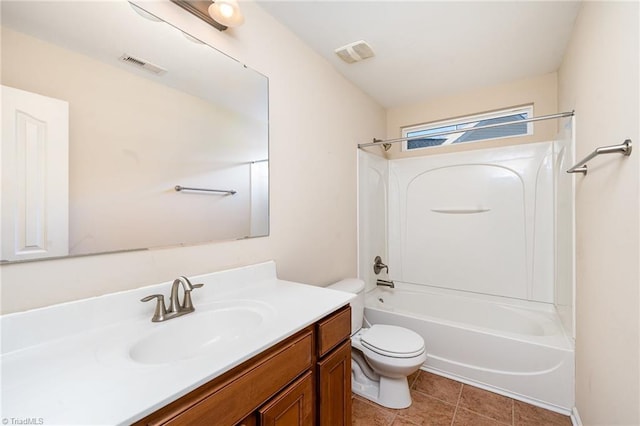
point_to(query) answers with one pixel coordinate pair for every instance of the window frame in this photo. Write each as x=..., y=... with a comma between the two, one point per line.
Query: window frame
x=467, y=120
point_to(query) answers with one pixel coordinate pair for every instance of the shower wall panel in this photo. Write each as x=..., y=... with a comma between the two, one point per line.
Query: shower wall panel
x=478, y=221
x=372, y=214
x=565, y=228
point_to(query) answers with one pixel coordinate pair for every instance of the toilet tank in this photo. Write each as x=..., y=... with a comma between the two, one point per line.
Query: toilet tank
x=355, y=286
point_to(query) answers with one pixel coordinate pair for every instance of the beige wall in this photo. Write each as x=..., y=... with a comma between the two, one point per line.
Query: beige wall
x=541, y=92
x=599, y=78
x=316, y=120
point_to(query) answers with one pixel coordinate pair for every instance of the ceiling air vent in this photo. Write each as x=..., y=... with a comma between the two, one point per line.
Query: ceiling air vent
x=354, y=52
x=141, y=63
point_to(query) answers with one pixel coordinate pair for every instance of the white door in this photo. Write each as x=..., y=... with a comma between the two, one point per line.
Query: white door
x=34, y=159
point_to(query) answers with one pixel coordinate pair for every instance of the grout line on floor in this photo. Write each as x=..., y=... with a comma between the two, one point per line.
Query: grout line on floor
x=393, y=419
x=455, y=410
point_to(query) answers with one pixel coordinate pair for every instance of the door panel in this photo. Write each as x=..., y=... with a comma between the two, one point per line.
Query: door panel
x=34, y=155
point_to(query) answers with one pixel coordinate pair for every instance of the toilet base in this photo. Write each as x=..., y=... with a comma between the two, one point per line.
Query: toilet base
x=388, y=392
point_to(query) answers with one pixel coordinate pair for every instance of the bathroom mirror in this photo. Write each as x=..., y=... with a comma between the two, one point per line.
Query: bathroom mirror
x=106, y=110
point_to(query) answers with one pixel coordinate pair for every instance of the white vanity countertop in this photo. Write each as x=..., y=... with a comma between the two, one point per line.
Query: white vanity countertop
x=71, y=363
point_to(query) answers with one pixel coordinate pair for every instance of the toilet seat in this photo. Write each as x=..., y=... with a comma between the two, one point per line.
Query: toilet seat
x=392, y=341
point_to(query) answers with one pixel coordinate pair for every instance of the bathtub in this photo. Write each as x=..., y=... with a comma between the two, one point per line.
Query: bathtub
x=512, y=347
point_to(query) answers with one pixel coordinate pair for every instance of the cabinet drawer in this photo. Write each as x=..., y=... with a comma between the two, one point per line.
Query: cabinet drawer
x=333, y=330
x=238, y=393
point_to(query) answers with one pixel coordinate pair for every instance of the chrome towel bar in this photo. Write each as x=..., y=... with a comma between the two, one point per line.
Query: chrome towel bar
x=623, y=148
x=220, y=191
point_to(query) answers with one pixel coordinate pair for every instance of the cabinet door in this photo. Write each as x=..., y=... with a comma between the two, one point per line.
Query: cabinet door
x=291, y=407
x=249, y=421
x=334, y=387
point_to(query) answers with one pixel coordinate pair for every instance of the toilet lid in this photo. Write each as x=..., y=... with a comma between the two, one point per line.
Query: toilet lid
x=393, y=341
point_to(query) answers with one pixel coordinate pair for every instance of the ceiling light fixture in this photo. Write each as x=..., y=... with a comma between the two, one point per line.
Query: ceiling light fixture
x=221, y=14
x=226, y=12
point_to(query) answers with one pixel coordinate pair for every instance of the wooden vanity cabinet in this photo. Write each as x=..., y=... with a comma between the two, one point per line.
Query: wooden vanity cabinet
x=304, y=380
x=334, y=387
x=293, y=406
x=333, y=369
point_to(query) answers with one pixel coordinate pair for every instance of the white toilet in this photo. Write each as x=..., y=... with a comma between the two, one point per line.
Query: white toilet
x=382, y=356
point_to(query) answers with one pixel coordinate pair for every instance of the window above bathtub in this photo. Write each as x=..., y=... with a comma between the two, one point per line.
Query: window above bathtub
x=465, y=125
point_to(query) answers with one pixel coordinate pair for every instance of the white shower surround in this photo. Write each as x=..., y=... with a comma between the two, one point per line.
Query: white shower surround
x=471, y=243
x=478, y=221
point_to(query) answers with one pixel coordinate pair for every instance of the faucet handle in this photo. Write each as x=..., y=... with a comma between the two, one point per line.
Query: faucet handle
x=186, y=283
x=161, y=310
x=187, y=304
x=378, y=266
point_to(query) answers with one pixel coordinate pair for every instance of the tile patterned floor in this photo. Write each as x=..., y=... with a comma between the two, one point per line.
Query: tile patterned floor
x=440, y=401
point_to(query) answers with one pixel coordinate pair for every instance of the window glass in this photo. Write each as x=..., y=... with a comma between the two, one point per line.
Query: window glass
x=465, y=125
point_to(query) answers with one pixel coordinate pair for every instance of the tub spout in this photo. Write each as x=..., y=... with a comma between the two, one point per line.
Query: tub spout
x=385, y=283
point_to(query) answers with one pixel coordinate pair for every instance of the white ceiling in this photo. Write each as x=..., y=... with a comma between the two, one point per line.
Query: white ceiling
x=428, y=49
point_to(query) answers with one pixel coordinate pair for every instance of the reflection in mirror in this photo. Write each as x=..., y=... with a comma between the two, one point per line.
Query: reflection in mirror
x=105, y=110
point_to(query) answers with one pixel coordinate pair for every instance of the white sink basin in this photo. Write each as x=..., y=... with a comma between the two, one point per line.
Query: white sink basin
x=211, y=328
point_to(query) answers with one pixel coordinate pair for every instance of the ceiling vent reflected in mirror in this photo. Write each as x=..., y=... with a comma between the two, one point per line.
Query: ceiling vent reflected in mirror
x=355, y=52
x=141, y=63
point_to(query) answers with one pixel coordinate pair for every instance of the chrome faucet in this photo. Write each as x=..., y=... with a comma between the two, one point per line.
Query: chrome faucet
x=174, y=303
x=176, y=308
